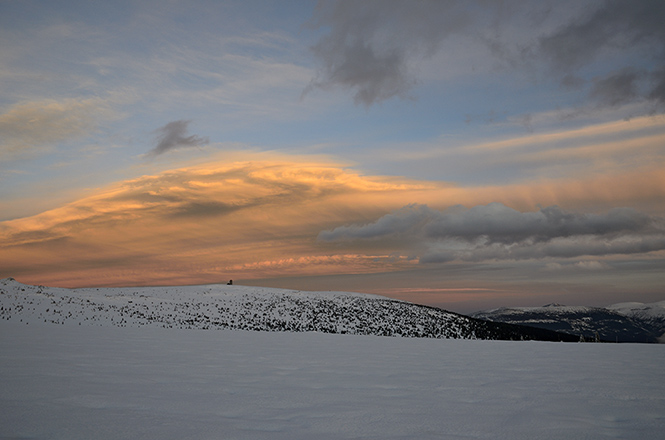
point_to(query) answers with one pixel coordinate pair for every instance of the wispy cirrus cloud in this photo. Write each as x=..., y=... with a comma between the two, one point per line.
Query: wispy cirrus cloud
x=585, y=155
x=29, y=127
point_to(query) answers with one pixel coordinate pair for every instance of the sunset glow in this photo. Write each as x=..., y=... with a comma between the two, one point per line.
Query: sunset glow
x=337, y=147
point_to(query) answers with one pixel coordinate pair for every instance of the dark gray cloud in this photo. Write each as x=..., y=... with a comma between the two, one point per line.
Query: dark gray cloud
x=616, y=89
x=371, y=43
x=496, y=231
x=559, y=248
x=657, y=93
x=630, y=32
x=376, y=77
x=174, y=135
x=496, y=223
x=610, y=26
x=409, y=220
x=373, y=48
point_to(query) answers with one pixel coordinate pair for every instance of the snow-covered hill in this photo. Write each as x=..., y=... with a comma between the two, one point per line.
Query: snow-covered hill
x=627, y=322
x=247, y=308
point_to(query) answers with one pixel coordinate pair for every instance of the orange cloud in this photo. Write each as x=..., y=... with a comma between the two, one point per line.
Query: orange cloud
x=589, y=134
x=200, y=224
x=258, y=218
x=618, y=147
x=642, y=188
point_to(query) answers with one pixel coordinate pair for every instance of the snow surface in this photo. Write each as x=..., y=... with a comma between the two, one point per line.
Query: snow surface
x=78, y=382
x=124, y=364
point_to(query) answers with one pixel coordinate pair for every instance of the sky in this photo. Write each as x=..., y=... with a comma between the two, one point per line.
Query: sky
x=462, y=154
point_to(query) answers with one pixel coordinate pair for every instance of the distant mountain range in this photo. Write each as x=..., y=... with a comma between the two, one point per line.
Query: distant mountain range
x=249, y=308
x=625, y=322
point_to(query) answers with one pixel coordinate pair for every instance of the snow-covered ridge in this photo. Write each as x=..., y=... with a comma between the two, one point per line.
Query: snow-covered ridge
x=655, y=310
x=246, y=308
x=651, y=315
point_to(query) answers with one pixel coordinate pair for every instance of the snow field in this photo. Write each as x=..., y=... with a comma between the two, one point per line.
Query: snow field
x=78, y=382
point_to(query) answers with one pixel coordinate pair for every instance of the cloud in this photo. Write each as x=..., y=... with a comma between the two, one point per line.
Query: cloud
x=657, y=92
x=592, y=265
x=608, y=152
x=372, y=43
x=253, y=215
x=497, y=223
x=616, y=89
x=376, y=48
x=495, y=231
x=173, y=136
x=613, y=31
x=199, y=224
x=376, y=77
x=408, y=220
x=32, y=126
x=612, y=25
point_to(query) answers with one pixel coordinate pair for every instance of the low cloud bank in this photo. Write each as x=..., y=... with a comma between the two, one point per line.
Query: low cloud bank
x=495, y=231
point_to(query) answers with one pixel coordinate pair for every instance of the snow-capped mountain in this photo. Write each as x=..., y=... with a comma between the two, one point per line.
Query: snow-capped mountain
x=248, y=308
x=652, y=315
x=627, y=322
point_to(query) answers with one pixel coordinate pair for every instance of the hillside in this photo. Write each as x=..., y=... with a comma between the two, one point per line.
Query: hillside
x=248, y=308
